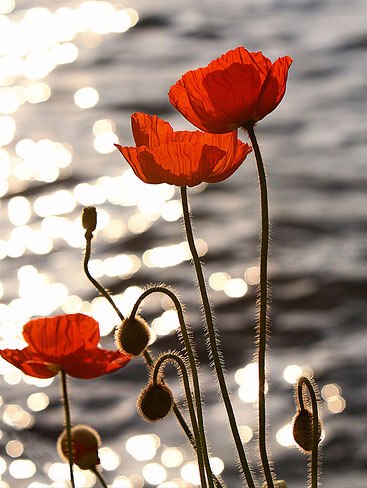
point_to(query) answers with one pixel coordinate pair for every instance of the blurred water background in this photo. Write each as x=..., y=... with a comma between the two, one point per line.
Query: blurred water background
x=71, y=74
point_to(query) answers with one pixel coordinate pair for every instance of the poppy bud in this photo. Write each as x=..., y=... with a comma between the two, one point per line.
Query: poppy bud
x=85, y=443
x=89, y=219
x=277, y=484
x=302, y=429
x=132, y=336
x=154, y=402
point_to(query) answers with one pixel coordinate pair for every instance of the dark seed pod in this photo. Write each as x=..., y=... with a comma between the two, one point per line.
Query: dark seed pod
x=132, y=336
x=302, y=430
x=154, y=402
x=85, y=444
x=89, y=218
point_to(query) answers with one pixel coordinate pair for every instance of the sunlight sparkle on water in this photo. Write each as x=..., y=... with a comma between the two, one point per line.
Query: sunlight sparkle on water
x=292, y=373
x=247, y=378
x=332, y=394
x=165, y=256
x=190, y=473
x=245, y=433
x=7, y=131
x=143, y=447
x=235, y=288
x=38, y=401
x=86, y=97
x=172, y=457
x=109, y=459
x=154, y=473
x=14, y=448
x=22, y=469
x=121, y=482
x=166, y=323
x=285, y=437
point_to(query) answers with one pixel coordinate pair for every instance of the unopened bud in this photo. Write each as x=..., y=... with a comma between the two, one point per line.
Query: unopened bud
x=89, y=218
x=303, y=429
x=154, y=402
x=85, y=443
x=132, y=336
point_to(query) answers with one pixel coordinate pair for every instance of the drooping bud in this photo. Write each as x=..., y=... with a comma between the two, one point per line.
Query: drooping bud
x=277, y=484
x=302, y=429
x=132, y=336
x=155, y=402
x=85, y=444
x=89, y=219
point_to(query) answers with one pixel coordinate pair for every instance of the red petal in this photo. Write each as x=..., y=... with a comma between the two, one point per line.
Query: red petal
x=274, y=86
x=94, y=363
x=30, y=362
x=57, y=336
x=150, y=130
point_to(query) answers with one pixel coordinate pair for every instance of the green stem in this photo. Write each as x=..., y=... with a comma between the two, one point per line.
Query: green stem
x=161, y=361
x=103, y=291
x=263, y=307
x=99, y=476
x=147, y=356
x=214, y=351
x=67, y=425
x=315, y=425
x=193, y=367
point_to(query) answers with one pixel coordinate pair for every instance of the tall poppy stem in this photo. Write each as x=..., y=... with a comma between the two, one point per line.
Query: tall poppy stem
x=263, y=306
x=149, y=360
x=67, y=425
x=194, y=370
x=161, y=361
x=212, y=335
x=315, y=425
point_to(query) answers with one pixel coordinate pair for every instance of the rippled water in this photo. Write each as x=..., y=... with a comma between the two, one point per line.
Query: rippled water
x=71, y=74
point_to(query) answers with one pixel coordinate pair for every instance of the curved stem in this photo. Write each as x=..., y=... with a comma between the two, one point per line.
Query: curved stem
x=263, y=307
x=103, y=291
x=160, y=363
x=67, y=425
x=147, y=356
x=315, y=424
x=214, y=351
x=99, y=476
x=193, y=367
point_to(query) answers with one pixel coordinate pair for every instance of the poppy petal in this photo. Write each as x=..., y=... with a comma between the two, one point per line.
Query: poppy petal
x=228, y=165
x=274, y=86
x=150, y=130
x=61, y=335
x=30, y=362
x=94, y=363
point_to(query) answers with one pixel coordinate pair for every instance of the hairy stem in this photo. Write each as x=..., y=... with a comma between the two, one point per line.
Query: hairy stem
x=67, y=425
x=193, y=367
x=161, y=361
x=214, y=351
x=315, y=425
x=263, y=307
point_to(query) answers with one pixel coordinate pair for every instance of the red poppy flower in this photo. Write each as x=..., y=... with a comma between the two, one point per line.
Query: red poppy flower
x=235, y=90
x=67, y=342
x=181, y=158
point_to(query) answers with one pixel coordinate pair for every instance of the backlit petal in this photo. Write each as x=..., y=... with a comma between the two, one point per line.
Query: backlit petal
x=94, y=363
x=274, y=86
x=150, y=130
x=61, y=335
x=235, y=90
x=30, y=362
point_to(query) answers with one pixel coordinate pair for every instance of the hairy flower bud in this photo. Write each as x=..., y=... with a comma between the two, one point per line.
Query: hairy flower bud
x=132, y=336
x=85, y=443
x=302, y=429
x=154, y=402
x=89, y=218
